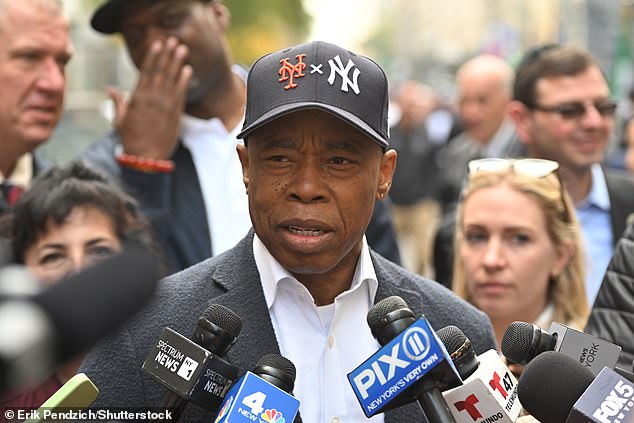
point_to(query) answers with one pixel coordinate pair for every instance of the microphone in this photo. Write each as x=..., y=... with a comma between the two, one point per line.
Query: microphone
x=489, y=392
x=78, y=393
x=263, y=394
x=39, y=331
x=556, y=388
x=523, y=341
x=460, y=350
x=194, y=371
x=412, y=364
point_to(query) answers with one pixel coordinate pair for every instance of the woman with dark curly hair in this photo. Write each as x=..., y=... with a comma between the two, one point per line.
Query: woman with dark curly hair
x=68, y=219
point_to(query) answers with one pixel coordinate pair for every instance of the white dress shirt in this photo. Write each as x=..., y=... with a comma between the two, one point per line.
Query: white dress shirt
x=325, y=343
x=213, y=151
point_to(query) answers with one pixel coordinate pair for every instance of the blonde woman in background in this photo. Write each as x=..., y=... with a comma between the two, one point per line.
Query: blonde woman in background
x=518, y=245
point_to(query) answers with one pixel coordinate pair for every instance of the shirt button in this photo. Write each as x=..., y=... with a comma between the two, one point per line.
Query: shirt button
x=335, y=420
x=331, y=342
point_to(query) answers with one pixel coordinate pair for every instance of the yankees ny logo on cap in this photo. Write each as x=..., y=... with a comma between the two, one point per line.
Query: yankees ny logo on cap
x=322, y=76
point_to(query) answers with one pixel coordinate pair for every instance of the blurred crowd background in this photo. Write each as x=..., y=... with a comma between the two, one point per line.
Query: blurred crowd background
x=421, y=40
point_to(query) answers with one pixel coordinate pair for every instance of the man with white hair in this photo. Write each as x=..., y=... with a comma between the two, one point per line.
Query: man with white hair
x=34, y=49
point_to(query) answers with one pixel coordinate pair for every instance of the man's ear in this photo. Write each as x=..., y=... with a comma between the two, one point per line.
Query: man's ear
x=243, y=155
x=386, y=172
x=222, y=14
x=520, y=115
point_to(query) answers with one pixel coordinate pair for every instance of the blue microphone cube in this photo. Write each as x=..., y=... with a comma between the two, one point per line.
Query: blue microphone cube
x=399, y=364
x=252, y=399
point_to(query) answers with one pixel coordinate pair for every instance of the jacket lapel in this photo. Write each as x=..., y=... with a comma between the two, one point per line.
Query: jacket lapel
x=386, y=288
x=245, y=297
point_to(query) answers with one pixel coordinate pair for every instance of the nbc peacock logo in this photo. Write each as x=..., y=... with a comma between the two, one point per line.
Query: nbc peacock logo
x=224, y=410
x=273, y=416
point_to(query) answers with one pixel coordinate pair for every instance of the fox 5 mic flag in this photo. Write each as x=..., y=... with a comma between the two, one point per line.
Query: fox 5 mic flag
x=608, y=399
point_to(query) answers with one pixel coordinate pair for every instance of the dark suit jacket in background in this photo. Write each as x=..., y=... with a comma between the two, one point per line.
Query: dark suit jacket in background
x=612, y=315
x=232, y=279
x=621, y=192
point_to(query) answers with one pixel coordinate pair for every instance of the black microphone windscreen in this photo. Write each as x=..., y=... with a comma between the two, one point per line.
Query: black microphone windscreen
x=517, y=341
x=279, y=362
x=224, y=317
x=278, y=370
x=460, y=350
x=551, y=384
x=86, y=306
x=383, y=307
x=452, y=337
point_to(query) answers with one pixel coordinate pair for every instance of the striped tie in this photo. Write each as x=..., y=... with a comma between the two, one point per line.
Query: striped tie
x=11, y=192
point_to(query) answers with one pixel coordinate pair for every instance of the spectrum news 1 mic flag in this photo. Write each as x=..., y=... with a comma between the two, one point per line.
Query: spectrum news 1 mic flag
x=190, y=370
x=398, y=365
x=489, y=394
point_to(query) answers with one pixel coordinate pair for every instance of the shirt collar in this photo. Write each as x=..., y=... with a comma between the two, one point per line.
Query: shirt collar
x=272, y=272
x=22, y=172
x=598, y=195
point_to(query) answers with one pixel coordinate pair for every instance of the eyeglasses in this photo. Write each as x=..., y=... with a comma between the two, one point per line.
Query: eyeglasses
x=536, y=168
x=577, y=109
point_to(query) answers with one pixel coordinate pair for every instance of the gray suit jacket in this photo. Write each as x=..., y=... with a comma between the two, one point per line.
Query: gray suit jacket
x=232, y=279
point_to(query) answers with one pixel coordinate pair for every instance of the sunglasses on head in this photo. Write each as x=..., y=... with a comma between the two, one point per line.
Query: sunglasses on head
x=578, y=109
x=536, y=168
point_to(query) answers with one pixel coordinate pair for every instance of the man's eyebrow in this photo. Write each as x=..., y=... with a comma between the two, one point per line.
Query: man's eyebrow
x=280, y=143
x=342, y=145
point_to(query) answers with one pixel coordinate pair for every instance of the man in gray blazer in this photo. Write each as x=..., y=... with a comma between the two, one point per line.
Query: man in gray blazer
x=314, y=161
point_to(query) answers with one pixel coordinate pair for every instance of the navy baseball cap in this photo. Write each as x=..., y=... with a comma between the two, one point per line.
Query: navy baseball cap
x=318, y=75
x=106, y=17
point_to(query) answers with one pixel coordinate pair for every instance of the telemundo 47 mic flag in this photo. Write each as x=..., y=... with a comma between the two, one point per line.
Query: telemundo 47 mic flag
x=489, y=394
x=398, y=365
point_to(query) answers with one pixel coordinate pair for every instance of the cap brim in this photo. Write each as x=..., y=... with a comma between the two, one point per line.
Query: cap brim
x=293, y=107
x=106, y=17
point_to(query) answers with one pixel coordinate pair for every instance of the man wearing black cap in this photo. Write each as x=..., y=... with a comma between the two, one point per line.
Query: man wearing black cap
x=314, y=162
x=183, y=168
x=174, y=142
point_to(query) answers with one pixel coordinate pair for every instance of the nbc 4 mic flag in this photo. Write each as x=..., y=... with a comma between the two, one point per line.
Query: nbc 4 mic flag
x=252, y=399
